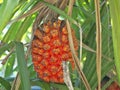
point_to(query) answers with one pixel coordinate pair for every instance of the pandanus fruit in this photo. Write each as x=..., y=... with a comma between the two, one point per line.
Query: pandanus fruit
x=50, y=47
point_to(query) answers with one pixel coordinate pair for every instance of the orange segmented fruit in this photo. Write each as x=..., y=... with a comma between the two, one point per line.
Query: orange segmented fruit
x=50, y=47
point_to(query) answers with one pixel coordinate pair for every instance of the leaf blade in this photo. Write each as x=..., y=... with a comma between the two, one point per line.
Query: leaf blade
x=5, y=83
x=22, y=66
x=6, y=13
x=115, y=18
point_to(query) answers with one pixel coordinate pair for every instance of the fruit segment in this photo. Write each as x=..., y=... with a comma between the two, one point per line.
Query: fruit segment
x=50, y=46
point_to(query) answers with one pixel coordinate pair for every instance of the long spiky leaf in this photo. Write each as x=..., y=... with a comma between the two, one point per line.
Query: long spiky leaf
x=24, y=76
x=115, y=20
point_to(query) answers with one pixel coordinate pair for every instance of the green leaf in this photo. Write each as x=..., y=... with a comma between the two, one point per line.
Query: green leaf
x=6, y=11
x=9, y=66
x=42, y=84
x=23, y=28
x=6, y=47
x=10, y=35
x=89, y=65
x=60, y=86
x=22, y=66
x=5, y=83
x=25, y=6
x=115, y=18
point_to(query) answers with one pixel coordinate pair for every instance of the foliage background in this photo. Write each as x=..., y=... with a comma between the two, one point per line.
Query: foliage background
x=14, y=30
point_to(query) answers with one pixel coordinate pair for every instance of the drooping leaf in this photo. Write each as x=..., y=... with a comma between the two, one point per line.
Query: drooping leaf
x=22, y=66
x=6, y=11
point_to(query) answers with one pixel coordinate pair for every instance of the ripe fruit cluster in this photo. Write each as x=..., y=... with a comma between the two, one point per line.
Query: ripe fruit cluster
x=50, y=47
